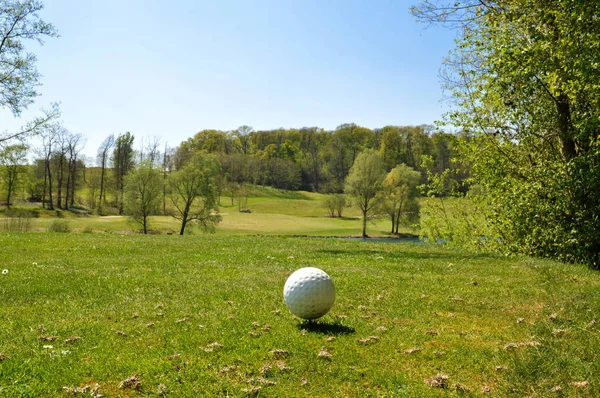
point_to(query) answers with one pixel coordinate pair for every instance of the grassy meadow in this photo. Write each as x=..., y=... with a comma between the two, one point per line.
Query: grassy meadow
x=133, y=315
x=116, y=314
x=273, y=212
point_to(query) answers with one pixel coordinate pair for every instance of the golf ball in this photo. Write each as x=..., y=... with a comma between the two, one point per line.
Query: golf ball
x=309, y=293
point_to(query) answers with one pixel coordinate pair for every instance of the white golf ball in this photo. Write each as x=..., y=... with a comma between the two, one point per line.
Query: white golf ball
x=309, y=293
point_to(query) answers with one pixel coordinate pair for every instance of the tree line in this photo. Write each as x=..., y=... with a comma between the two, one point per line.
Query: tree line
x=313, y=159
x=308, y=158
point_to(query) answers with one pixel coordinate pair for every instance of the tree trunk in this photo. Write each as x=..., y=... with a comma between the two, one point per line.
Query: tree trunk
x=68, y=190
x=44, y=191
x=183, y=224
x=9, y=193
x=73, y=180
x=59, y=183
x=145, y=223
x=565, y=127
x=364, y=228
x=50, y=200
x=184, y=219
x=122, y=195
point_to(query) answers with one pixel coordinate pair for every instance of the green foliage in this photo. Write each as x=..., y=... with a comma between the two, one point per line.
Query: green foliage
x=194, y=192
x=335, y=204
x=20, y=21
x=524, y=77
x=12, y=159
x=17, y=220
x=59, y=226
x=123, y=163
x=143, y=190
x=310, y=158
x=364, y=182
x=399, y=197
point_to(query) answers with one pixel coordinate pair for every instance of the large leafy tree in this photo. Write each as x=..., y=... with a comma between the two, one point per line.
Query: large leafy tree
x=20, y=22
x=12, y=159
x=364, y=182
x=143, y=190
x=123, y=162
x=525, y=76
x=194, y=193
x=398, y=198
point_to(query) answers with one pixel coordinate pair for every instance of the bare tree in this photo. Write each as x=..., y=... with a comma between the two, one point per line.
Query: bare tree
x=152, y=151
x=242, y=135
x=48, y=136
x=167, y=167
x=75, y=143
x=59, y=159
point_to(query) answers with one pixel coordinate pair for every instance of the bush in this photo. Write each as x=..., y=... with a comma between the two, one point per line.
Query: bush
x=17, y=220
x=335, y=204
x=59, y=226
x=88, y=229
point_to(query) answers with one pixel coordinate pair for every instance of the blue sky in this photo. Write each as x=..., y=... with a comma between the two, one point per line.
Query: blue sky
x=169, y=69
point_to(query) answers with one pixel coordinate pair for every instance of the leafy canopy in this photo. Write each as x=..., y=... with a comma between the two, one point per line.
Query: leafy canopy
x=525, y=79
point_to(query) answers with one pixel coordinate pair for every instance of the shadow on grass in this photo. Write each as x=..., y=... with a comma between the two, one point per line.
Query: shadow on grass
x=420, y=252
x=329, y=328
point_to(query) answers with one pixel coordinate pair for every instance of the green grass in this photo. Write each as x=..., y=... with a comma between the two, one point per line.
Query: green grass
x=273, y=212
x=172, y=297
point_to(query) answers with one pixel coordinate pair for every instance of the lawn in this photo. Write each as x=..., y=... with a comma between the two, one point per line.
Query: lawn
x=273, y=212
x=133, y=315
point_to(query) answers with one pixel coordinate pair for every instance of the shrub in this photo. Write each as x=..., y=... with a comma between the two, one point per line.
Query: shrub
x=335, y=204
x=59, y=226
x=17, y=221
x=88, y=229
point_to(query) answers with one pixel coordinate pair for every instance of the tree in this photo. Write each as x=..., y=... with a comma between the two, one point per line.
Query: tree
x=58, y=159
x=312, y=142
x=32, y=127
x=398, y=197
x=19, y=21
x=103, y=153
x=11, y=160
x=242, y=139
x=194, y=194
x=364, y=181
x=123, y=163
x=335, y=204
x=75, y=143
x=524, y=77
x=48, y=134
x=143, y=189
x=150, y=151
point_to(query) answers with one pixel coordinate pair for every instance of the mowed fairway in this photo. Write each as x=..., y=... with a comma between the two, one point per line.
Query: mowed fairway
x=204, y=316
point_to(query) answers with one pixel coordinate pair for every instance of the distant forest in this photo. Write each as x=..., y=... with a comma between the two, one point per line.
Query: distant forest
x=312, y=159
x=308, y=159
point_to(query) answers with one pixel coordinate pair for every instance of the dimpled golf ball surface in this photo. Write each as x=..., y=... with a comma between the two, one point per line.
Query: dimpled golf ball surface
x=309, y=293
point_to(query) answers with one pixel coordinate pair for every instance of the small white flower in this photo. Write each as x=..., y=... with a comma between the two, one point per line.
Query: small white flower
x=48, y=347
x=291, y=257
x=34, y=263
x=4, y=271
